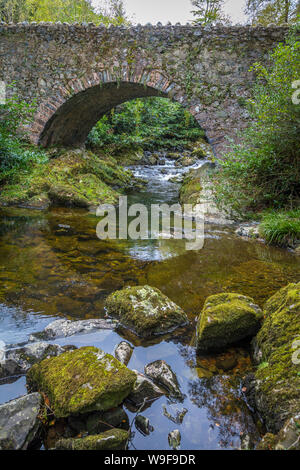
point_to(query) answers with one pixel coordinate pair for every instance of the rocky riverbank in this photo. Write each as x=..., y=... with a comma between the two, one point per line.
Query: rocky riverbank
x=71, y=178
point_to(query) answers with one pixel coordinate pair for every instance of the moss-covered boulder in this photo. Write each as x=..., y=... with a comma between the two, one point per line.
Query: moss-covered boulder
x=191, y=188
x=115, y=439
x=145, y=310
x=227, y=319
x=73, y=178
x=82, y=381
x=277, y=353
x=202, y=149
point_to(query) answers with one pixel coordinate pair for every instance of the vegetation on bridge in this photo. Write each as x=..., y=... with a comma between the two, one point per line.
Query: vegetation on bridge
x=264, y=170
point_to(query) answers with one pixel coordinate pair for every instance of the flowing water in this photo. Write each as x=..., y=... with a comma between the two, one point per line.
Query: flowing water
x=53, y=265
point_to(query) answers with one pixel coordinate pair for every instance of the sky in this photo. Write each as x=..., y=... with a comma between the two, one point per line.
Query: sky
x=153, y=11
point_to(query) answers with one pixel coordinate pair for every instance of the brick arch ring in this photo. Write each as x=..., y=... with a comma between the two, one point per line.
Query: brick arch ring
x=66, y=117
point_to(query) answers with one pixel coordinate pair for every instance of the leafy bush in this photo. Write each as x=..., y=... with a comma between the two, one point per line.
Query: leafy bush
x=264, y=170
x=281, y=228
x=15, y=152
x=145, y=123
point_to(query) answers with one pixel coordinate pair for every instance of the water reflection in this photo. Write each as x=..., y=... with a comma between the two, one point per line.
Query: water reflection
x=53, y=265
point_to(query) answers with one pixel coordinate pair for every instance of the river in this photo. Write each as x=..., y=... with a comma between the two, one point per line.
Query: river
x=53, y=265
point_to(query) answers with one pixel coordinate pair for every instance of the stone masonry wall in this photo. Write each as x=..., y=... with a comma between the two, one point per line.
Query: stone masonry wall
x=75, y=73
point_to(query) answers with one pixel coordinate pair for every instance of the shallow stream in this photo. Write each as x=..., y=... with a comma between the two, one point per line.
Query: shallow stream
x=53, y=265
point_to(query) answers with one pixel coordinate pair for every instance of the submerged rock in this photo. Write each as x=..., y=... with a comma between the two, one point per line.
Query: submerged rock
x=143, y=425
x=63, y=328
x=19, y=423
x=123, y=352
x=174, y=439
x=18, y=361
x=276, y=384
x=144, y=391
x=163, y=375
x=82, y=381
x=227, y=319
x=115, y=439
x=145, y=310
x=178, y=418
x=99, y=421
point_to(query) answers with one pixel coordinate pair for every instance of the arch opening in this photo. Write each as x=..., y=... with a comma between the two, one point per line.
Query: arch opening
x=71, y=123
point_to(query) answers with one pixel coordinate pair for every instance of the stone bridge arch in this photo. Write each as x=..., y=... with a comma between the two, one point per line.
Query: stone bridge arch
x=67, y=118
x=75, y=73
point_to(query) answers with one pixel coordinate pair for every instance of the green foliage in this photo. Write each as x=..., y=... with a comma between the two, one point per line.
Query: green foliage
x=15, y=153
x=69, y=11
x=209, y=11
x=281, y=228
x=145, y=123
x=264, y=170
x=265, y=12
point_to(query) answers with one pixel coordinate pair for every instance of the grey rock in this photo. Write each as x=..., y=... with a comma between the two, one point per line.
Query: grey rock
x=174, y=439
x=18, y=361
x=289, y=436
x=248, y=231
x=144, y=391
x=19, y=423
x=123, y=352
x=63, y=328
x=161, y=373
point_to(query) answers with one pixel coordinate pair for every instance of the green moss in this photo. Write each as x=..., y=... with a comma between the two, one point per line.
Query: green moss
x=145, y=310
x=226, y=319
x=190, y=189
x=115, y=439
x=279, y=380
x=81, y=381
x=73, y=178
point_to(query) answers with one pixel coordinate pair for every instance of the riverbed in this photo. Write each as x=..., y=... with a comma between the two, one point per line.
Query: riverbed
x=53, y=265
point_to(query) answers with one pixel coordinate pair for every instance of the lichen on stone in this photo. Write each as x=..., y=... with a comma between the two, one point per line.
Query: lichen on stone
x=82, y=381
x=145, y=310
x=277, y=390
x=114, y=439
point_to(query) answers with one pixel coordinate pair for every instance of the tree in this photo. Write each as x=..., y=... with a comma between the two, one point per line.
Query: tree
x=265, y=12
x=69, y=11
x=13, y=11
x=264, y=169
x=209, y=11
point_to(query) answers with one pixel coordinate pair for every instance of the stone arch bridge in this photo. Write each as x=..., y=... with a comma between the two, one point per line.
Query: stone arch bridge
x=76, y=73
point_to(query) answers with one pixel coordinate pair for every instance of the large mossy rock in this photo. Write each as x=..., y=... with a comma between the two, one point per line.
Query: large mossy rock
x=227, y=319
x=277, y=353
x=81, y=381
x=145, y=310
x=115, y=439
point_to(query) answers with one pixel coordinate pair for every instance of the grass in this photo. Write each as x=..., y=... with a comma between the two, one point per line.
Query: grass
x=281, y=228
